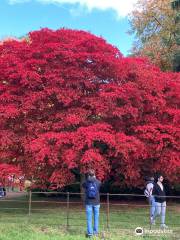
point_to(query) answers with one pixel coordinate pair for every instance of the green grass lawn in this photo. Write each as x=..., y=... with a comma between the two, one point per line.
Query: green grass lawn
x=48, y=220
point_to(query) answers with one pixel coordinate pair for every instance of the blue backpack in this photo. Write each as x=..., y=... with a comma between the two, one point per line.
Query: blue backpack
x=91, y=190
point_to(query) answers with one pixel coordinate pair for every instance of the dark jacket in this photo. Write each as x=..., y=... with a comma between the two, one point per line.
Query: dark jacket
x=160, y=196
x=95, y=201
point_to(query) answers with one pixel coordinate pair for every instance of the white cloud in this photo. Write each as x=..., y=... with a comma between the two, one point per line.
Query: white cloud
x=121, y=7
x=18, y=1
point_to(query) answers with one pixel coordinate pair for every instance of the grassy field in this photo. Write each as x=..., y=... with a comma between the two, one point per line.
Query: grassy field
x=48, y=220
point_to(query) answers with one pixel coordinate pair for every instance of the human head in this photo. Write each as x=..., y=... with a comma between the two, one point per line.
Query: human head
x=160, y=178
x=151, y=178
x=147, y=179
x=91, y=173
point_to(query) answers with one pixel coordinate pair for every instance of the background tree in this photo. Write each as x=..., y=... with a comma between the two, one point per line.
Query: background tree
x=70, y=101
x=176, y=59
x=156, y=27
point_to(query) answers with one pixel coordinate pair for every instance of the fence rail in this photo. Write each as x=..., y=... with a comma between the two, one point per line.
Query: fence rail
x=68, y=201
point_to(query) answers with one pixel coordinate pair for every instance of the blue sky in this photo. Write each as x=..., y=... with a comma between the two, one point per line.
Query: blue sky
x=106, y=18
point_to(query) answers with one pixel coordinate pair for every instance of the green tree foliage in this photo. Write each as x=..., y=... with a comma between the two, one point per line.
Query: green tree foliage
x=155, y=24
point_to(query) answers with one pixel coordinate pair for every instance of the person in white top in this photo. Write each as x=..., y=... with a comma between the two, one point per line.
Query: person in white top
x=148, y=193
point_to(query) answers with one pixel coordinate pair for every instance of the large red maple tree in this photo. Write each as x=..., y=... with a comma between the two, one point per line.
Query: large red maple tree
x=70, y=101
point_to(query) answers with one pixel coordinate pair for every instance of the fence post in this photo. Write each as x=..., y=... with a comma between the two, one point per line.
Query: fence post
x=67, y=211
x=30, y=202
x=107, y=201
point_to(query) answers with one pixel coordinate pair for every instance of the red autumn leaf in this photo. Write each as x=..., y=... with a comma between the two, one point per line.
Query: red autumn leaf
x=70, y=101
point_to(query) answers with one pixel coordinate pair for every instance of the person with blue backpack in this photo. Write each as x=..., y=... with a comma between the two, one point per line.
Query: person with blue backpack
x=92, y=202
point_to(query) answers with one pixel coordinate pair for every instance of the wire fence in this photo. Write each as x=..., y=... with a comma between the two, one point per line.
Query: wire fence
x=118, y=211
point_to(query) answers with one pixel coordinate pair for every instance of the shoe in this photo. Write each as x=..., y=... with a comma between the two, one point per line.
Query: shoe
x=88, y=236
x=164, y=226
x=152, y=221
x=96, y=235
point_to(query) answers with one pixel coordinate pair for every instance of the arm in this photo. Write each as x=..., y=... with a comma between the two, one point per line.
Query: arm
x=99, y=185
x=151, y=189
x=84, y=185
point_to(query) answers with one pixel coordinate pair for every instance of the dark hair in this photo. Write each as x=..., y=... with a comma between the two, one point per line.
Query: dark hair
x=149, y=178
x=91, y=172
x=158, y=175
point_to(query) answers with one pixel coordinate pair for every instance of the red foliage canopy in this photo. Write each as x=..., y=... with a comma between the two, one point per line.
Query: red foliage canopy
x=69, y=101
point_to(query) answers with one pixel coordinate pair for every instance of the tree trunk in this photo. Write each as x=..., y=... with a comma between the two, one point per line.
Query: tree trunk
x=82, y=179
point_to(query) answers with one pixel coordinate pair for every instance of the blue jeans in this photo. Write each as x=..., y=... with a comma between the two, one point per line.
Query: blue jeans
x=90, y=210
x=152, y=204
x=161, y=211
